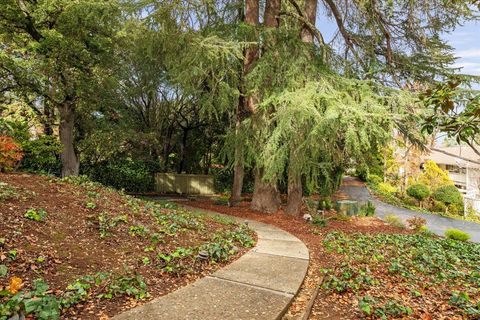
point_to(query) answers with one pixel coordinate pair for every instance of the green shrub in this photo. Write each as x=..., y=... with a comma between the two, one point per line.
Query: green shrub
x=367, y=210
x=456, y=209
x=438, y=206
x=394, y=220
x=362, y=172
x=222, y=201
x=223, y=180
x=329, y=183
x=386, y=188
x=319, y=221
x=374, y=179
x=456, y=234
x=42, y=155
x=132, y=176
x=328, y=204
x=18, y=130
x=409, y=201
x=418, y=191
x=448, y=195
x=325, y=204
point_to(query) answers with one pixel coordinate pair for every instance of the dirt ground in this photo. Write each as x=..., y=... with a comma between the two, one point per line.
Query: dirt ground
x=67, y=244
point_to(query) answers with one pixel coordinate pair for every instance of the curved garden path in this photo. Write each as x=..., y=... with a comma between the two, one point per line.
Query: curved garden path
x=436, y=224
x=259, y=285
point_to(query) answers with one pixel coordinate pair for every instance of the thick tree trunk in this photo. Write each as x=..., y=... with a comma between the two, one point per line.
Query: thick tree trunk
x=252, y=13
x=266, y=197
x=238, y=170
x=310, y=10
x=70, y=161
x=272, y=11
x=295, y=189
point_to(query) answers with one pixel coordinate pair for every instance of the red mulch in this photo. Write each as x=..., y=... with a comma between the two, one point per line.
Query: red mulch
x=326, y=306
x=351, y=181
x=70, y=243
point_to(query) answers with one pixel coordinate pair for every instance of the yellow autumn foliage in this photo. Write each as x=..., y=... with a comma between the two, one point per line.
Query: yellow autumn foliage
x=15, y=285
x=433, y=176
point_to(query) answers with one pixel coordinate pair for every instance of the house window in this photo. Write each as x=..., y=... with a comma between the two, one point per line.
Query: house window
x=455, y=169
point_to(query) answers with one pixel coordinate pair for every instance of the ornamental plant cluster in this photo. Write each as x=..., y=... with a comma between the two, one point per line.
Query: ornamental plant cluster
x=432, y=190
x=10, y=153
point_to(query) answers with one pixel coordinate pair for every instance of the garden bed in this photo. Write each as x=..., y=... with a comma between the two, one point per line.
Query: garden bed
x=73, y=249
x=371, y=269
x=395, y=201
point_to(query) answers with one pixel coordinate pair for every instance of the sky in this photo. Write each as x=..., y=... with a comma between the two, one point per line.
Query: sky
x=466, y=41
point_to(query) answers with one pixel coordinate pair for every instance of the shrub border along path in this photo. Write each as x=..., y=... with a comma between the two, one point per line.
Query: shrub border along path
x=435, y=223
x=259, y=285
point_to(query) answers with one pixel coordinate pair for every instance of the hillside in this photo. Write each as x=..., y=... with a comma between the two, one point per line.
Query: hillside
x=99, y=251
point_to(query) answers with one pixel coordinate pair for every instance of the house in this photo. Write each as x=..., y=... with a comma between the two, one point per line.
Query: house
x=463, y=166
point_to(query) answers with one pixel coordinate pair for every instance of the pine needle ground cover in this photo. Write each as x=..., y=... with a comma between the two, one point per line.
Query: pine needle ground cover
x=71, y=248
x=413, y=276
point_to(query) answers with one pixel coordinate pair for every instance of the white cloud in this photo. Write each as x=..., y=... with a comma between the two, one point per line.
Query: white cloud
x=469, y=53
x=472, y=68
x=463, y=64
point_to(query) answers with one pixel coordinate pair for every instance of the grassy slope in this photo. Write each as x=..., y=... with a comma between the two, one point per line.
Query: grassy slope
x=98, y=250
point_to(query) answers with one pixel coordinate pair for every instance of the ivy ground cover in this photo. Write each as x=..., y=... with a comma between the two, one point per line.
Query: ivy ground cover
x=405, y=276
x=367, y=269
x=71, y=248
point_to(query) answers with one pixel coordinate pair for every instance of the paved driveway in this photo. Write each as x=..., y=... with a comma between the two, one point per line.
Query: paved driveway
x=437, y=224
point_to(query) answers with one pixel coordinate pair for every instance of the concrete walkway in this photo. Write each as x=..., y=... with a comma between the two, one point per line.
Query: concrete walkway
x=259, y=285
x=436, y=224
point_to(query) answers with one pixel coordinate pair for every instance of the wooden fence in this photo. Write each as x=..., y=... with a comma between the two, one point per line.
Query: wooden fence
x=184, y=183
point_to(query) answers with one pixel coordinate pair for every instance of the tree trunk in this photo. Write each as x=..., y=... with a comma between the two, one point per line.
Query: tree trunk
x=166, y=149
x=266, y=197
x=272, y=11
x=183, y=152
x=49, y=117
x=70, y=161
x=239, y=170
x=310, y=10
x=295, y=190
x=245, y=103
x=252, y=13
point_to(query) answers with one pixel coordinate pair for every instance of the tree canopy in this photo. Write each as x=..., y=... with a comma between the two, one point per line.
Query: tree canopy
x=249, y=86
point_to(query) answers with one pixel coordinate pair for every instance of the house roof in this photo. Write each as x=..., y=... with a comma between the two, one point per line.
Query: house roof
x=459, y=156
